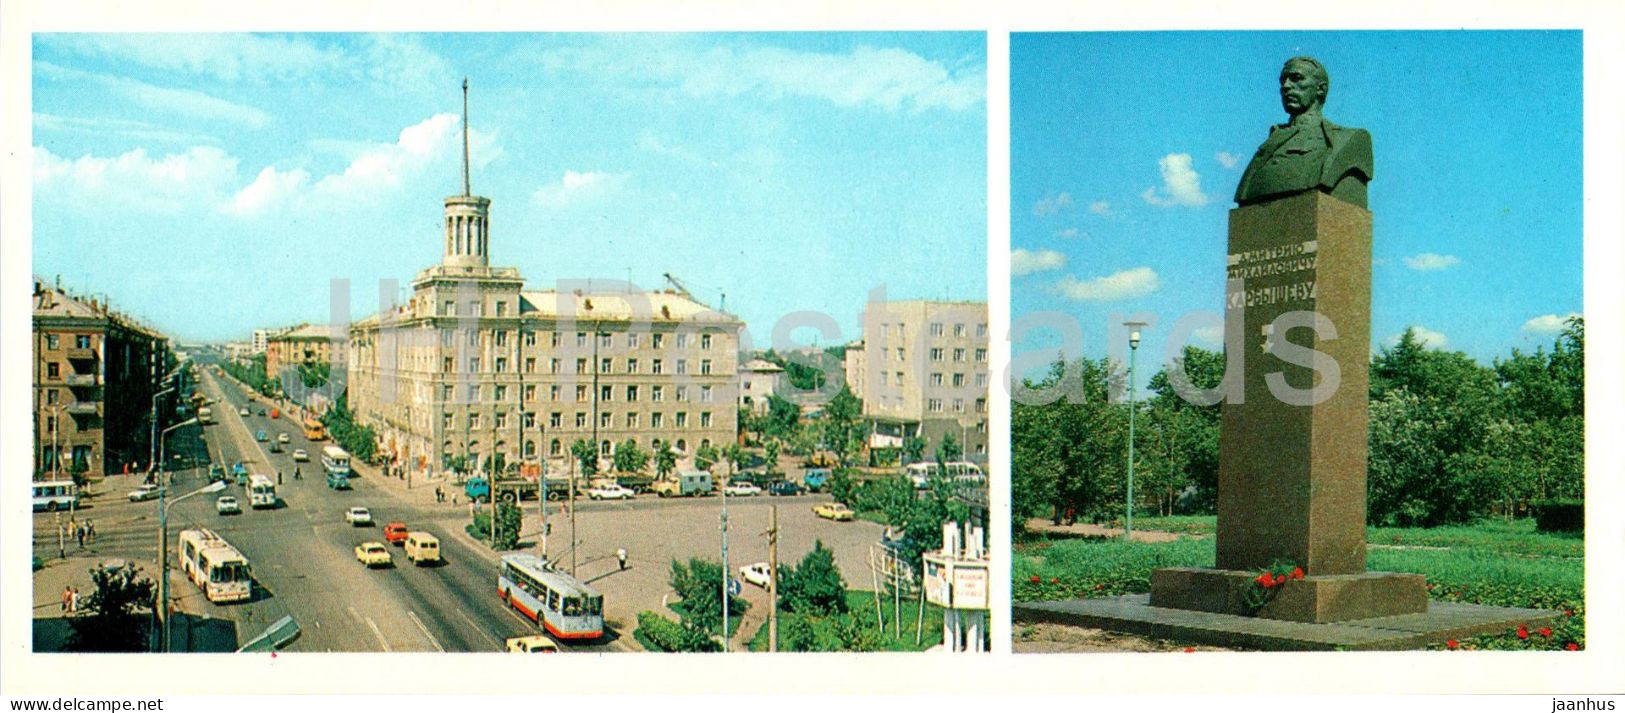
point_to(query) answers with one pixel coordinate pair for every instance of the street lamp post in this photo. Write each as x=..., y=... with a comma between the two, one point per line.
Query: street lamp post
x=1133, y=347
x=152, y=445
x=163, y=536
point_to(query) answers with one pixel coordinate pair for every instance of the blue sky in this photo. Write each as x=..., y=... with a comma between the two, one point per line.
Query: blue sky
x=1126, y=149
x=213, y=184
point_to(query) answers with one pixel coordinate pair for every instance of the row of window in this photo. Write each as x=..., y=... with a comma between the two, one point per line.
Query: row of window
x=935, y=405
x=958, y=379
x=606, y=365
x=80, y=341
x=606, y=340
x=937, y=354
x=583, y=392
x=606, y=419
x=936, y=329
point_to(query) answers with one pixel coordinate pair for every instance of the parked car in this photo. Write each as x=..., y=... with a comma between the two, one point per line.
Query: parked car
x=395, y=532
x=300, y=455
x=145, y=492
x=833, y=511
x=283, y=438
x=742, y=489
x=261, y=437
x=227, y=505
x=242, y=411
x=358, y=516
x=276, y=447
x=758, y=574
x=216, y=472
x=784, y=487
x=611, y=491
x=373, y=554
x=534, y=644
x=814, y=479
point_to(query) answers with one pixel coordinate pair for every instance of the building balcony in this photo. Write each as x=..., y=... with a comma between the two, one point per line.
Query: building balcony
x=78, y=354
x=84, y=408
x=80, y=380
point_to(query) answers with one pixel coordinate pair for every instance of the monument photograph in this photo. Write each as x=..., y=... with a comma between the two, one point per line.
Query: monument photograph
x=1297, y=341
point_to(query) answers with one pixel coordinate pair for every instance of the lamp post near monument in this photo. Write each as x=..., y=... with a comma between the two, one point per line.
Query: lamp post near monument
x=1293, y=432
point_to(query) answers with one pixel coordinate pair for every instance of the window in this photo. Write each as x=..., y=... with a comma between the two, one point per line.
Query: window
x=553, y=393
x=981, y=405
x=654, y=365
x=981, y=330
x=581, y=339
x=682, y=419
x=631, y=420
x=883, y=352
x=473, y=364
x=606, y=340
x=705, y=341
x=450, y=309
x=705, y=419
x=474, y=308
x=502, y=308
x=631, y=366
x=959, y=405
x=936, y=353
x=581, y=365
x=682, y=366
x=530, y=339
x=605, y=418
x=631, y=340
x=50, y=426
x=555, y=448
x=936, y=379
x=473, y=392
x=981, y=355
x=50, y=396
x=659, y=340
x=530, y=365
x=959, y=330
x=502, y=362
x=581, y=420
x=445, y=420
x=631, y=393
x=530, y=420
x=705, y=393
x=445, y=367
x=900, y=356
x=682, y=393
x=934, y=405
x=883, y=378
x=555, y=420
x=473, y=421
x=655, y=420
x=657, y=393
x=959, y=379
x=981, y=380
x=581, y=392
x=530, y=392
x=682, y=341
x=502, y=420
x=473, y=337
x=606, y=365
x=606, y=393
x=502, y=335
x=899, y=378
x=553, y=339
x=936, y=329
x=959, y=355
x=501, y=392
x=705, y=366
x=552, y=366
x=52, y=342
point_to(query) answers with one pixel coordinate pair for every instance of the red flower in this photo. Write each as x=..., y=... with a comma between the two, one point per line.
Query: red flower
x=1568, y=612
x=1100, y=586
x=1034, y=579
x=1546, y=631
x=1054, y=580
x=1297, y=573
x=1263, y=580
x=1452, y=644
x=1523, y=631
x=1190, y=650
x=1572, y=646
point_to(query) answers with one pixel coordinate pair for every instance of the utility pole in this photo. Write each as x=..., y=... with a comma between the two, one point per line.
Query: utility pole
x=725, y=577
x=773, y=578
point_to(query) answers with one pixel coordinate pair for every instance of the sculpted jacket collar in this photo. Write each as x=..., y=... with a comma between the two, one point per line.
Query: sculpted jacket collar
x=1339, y=153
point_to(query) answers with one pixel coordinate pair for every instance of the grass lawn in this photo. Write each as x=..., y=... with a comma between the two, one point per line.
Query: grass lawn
x=1494, y=563
x=861, y=626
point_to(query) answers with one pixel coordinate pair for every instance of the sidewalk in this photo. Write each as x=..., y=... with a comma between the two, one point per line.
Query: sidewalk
x=1084, y=529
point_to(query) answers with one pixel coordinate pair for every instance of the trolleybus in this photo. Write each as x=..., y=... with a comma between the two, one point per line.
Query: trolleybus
x=564, y=606
x=215, y=566
x=261, y=491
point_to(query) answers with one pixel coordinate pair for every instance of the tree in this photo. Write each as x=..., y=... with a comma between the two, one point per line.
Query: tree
x=840, y=485
x=770, y=451
x=1067, y=456
x=913, y=449
x=657, y=633
x=509, y=520
x=705, y=455
x=815, y=586
x=113, y=624
x=586, y=453
x=1179, y=445
x=841, y=431
x=782, y=417
x=734, y=454
x=665, y=460
x=629, y=458
x=948, y=450
x=699, y=587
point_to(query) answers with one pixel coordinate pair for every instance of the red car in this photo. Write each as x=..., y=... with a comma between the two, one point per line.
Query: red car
x=395, y=532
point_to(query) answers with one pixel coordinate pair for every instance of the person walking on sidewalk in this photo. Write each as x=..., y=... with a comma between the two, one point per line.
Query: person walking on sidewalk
x=73, y=600
x=90, y=529
x=80, y=533
x=620, y=555
x=67, y=592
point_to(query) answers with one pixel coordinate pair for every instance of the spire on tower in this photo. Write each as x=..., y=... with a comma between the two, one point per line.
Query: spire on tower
x=466, y=191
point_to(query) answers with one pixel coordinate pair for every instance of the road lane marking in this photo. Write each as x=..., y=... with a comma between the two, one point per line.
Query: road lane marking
x=425, y=630
x=379, y=633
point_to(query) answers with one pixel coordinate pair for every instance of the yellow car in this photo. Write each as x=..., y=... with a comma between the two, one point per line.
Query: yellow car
x=373, y=554
x=833, y=511
x=536, y=644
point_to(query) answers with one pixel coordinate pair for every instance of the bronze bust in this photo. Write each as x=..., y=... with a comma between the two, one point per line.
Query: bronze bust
x=1308, y=152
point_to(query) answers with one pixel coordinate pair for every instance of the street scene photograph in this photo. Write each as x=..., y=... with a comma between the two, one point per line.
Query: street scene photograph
x=510, y=342
x=1297, y=342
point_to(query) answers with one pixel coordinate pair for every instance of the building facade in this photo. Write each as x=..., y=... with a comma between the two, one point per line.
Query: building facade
x=304, y=345
x=922, y=371
x=474, y=366
x=758, y=381
x=94, y=376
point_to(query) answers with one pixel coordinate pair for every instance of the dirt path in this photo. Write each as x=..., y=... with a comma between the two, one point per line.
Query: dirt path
x=1084, y=529
x=1062, y=639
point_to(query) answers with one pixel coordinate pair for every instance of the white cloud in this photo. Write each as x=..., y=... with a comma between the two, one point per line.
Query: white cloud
x=164, y=100
x=1068, y=233
x=1179, y=181
x=1100, y=208
x=1213, y=335
x=229, y=57
x=1128, y=284
x=1050, y=205
x=1025, y=262
x=1426, y=337
x=1427, y=262
x=402, y=62
x=386, y=165
x=135, y=181
x=887, y=78
x=1227, y=159
x=140, y=131
x=269, y=189
x=1548, y=323
x=579, y=186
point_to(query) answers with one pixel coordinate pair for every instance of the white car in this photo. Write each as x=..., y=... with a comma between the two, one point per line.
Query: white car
x=610, y=492
x=283, y=438
x=300, y=455
x=358, y=516
x=227, y=505
x=242, y=411
x=758, y=574
x=145, y=492
x=743, y=489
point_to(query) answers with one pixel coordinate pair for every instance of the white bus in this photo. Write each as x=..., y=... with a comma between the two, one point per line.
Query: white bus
x=261, y=491
x=55, y=495
x=336, y=460
x=958, y=472
x=215, y=566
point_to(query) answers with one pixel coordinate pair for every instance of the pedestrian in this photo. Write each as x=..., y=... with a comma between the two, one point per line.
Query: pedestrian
x=620, y=554
x=67, y=593
x=279, y=477
x=296, y=472
x=73, y=601
x=90, y=528
x=80, y=533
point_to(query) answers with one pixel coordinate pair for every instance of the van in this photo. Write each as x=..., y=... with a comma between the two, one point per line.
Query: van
x=422, y=547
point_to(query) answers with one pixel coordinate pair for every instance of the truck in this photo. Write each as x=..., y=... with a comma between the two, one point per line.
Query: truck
x=523, y=483
x=684, y=483
x=814, y=479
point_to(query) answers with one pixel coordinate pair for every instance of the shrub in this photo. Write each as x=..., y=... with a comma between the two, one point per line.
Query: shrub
x=1559, y=515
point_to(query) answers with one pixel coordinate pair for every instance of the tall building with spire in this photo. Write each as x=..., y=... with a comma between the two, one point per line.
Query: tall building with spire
x=474, y=366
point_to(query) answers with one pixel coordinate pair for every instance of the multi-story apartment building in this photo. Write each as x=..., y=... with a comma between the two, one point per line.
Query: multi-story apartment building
x=94, y=376
x=922, y=370
x=758, y=381
x=260, y=341
x=474, y=365
x=304, y=345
